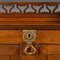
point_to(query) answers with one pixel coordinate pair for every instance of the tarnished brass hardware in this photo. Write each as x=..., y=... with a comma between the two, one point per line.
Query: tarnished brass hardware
x=27, y=51
x=29, y=36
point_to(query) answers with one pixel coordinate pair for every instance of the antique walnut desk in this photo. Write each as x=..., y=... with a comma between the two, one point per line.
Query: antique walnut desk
x=29, y=31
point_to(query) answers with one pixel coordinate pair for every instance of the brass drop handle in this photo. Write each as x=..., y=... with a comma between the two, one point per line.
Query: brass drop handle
x=29, y=36
x=31, y=52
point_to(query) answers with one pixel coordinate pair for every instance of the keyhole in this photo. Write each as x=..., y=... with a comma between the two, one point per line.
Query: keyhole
x=29, y=35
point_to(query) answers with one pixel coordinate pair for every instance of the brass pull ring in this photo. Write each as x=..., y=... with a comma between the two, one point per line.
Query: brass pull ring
x=32, y=47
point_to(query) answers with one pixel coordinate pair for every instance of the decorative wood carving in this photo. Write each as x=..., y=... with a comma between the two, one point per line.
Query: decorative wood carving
x=28, y=9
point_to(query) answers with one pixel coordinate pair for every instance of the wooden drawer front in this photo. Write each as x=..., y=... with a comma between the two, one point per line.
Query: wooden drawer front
x=43, y=36
x=52, y=51
x=47, y=45
x=9, y=52
x=48, y=37
x=15, y=52
x=53, y=57
x=10, y=36
x=40, y=55
x=46, y=52
x=4, y=57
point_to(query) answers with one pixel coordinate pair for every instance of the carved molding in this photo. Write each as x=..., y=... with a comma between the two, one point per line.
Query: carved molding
x=23, y=8
x=29, y=8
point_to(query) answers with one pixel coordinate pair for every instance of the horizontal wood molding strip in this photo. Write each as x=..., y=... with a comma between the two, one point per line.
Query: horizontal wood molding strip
x=29, y=23
x=29, y=15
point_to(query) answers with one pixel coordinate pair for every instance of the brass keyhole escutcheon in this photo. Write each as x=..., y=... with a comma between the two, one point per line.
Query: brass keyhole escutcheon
x=29, y=36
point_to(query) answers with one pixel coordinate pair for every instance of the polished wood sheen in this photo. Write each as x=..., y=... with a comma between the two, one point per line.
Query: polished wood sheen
x=47, y=26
